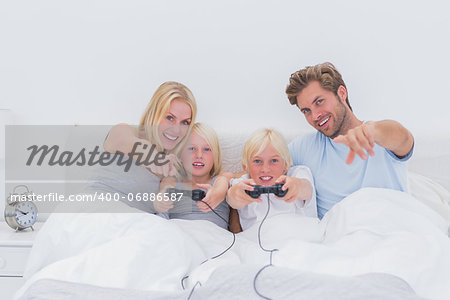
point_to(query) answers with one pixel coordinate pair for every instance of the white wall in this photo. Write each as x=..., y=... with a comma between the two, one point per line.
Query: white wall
x=98, y=62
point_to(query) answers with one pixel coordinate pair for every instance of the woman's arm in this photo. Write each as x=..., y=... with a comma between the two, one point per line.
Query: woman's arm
x=121, y=138
x=124, y=138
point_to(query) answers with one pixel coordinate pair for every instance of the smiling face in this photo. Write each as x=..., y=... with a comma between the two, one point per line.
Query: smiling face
x=198, y=158
x=266, y=167
x=324, y=110
x=175, y=124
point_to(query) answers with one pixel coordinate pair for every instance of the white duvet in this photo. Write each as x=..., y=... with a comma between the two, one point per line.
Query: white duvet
x=372, y=230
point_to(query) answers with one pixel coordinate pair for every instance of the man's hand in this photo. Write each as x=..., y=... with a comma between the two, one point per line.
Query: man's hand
x=387, y=133
x=359, y=139
x=237, y=198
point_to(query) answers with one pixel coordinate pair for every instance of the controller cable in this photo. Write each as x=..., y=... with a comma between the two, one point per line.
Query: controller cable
x=216, y=256
x=234, y=239
x=266, y=250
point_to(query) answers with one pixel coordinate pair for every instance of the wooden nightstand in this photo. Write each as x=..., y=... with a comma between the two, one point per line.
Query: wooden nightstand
x=14, y=250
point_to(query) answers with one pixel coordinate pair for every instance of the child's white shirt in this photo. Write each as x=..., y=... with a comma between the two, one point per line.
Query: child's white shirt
x=256, y=211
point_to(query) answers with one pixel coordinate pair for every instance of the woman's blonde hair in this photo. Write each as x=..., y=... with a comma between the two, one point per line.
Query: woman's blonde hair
x=210, y=136
x=158, y=107
x=259, y=140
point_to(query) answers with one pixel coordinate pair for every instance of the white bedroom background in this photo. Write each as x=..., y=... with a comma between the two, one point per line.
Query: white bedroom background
x=98, y=62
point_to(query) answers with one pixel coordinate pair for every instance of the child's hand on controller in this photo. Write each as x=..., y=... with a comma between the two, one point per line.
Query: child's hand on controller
x=202, y=206
x=161, y=203
x=238, y=198
x=298, y=188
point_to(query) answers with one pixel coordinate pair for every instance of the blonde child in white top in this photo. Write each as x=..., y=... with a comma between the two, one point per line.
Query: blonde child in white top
x=267, y=161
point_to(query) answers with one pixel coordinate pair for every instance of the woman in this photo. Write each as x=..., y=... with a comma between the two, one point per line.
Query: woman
x=162, y=132
x=166, y=122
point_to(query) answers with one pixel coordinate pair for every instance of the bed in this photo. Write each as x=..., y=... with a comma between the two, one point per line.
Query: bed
x=375, y=244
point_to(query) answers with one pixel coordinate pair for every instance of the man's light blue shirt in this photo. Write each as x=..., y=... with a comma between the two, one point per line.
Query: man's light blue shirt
x=334, y=179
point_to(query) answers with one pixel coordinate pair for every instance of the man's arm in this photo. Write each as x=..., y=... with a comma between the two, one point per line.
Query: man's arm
x=393, y=136
x=387, y=133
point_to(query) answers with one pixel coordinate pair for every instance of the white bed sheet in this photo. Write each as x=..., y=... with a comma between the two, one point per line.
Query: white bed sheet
x=372, y=230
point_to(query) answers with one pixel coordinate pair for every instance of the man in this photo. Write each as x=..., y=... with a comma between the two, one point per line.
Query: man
x=345, y=154
x=337, y=153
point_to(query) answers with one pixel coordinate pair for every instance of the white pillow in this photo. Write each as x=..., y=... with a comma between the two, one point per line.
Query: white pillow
x=430, y=193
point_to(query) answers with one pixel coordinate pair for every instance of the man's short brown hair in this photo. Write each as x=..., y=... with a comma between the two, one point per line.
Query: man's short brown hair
x=326, y=74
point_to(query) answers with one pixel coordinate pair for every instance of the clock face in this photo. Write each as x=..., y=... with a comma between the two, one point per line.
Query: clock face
x=26, y=213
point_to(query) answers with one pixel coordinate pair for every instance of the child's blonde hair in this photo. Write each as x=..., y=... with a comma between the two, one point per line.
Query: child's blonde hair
x=158, y=107
x=212, y=139
x=259, y=140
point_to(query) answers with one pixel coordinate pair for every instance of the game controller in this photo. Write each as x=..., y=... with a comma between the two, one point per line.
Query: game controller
x=274, y=189
x=196, y=195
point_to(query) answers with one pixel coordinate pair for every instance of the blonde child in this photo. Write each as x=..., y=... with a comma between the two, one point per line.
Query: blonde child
x=266, y=160
x=202, y=162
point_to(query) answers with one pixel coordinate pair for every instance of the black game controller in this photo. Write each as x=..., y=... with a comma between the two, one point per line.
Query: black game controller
x=196, y=194
x=259, y=189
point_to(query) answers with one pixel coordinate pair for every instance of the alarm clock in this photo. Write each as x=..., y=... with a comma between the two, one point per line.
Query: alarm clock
x=20, y=211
